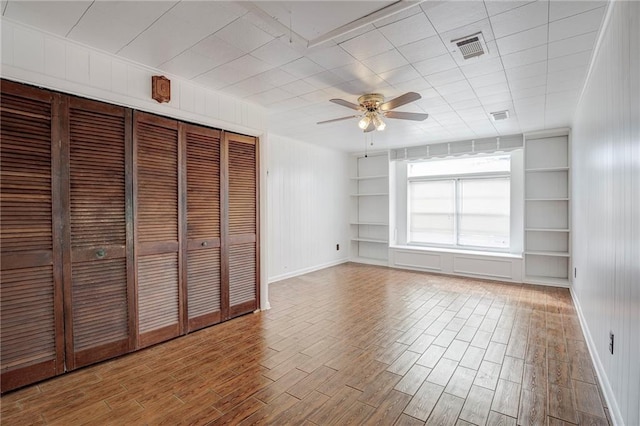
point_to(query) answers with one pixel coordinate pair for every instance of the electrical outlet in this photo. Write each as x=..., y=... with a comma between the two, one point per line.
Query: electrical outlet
x=611, y=336
x=337, y=246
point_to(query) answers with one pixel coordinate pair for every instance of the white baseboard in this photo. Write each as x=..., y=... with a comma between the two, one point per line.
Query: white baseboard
x=303, y=271
x=612, y=404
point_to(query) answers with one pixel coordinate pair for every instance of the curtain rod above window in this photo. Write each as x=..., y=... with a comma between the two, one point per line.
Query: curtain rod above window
x=458, y=148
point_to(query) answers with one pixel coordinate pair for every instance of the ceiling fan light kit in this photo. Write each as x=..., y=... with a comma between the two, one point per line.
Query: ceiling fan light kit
x=374, y=108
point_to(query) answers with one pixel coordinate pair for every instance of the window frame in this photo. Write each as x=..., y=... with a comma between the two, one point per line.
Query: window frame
x=456, y=222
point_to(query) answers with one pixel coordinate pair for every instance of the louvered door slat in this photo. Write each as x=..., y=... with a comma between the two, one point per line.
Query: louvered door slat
x=203, y=226
x=30, y=289
x=99, y=327
x=157, y=228
x=242, y=224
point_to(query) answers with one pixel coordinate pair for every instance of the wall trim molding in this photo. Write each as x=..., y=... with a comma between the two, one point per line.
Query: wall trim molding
x=607, y=391
x=303, y=271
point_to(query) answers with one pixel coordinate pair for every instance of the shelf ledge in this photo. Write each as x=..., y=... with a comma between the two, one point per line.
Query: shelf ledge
x=457, y=251
x=367, y=195
x=546, y=229
x=370, y=223
x=369, y=177
x=370, y=240
x=547, y=253
x=546, y=169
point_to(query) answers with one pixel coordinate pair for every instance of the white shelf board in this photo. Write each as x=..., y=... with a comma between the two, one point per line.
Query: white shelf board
x=370, y=223
x=550, y=281
x=372, y=194
x=546, y=169
x=369, y=177
x=369, y=261
x=546, y=199
x=547, y=253
x=369, y=240
x=546, y=230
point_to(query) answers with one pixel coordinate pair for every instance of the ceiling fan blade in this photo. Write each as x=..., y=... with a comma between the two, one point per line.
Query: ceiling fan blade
x=345, y=104
x=370, y=128
x=400, y=100
x=415, y=116
x=337, y=119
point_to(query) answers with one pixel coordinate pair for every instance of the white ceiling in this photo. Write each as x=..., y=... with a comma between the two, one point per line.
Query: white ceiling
x=538, y=56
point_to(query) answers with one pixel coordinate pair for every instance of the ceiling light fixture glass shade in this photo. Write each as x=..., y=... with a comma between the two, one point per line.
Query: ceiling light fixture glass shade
x=364, y=122
x=377, y=121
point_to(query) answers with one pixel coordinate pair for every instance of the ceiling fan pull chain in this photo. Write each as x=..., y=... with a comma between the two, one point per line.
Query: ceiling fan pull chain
x=365, y=145
x=290, y=25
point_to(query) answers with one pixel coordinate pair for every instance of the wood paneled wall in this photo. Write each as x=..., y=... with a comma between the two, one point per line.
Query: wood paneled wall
x=120, y=229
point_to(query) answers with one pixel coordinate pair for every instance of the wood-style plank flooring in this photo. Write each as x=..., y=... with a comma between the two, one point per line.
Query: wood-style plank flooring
x=352, y=344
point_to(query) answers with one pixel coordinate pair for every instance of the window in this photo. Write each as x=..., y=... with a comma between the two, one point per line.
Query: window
x=461, y=202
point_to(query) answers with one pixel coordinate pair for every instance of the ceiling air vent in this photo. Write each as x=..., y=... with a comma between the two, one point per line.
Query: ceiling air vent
x=471, y=46
x=500, y=115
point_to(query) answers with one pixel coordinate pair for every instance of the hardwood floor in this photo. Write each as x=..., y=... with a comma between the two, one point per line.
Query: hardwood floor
x=351, y=344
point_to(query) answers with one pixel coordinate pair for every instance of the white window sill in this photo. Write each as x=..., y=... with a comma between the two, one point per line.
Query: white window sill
x=457, y=251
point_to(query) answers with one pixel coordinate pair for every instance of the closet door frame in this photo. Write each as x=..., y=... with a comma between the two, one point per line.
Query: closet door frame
x=21, y=376
x=167, y=332
x=229, y=312
x=193, y=324
x=110, y=350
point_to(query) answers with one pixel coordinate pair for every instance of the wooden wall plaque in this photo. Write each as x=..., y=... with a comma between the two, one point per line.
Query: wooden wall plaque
x=160, y=88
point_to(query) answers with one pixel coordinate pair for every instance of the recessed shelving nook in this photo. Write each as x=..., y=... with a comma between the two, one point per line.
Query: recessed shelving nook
x=547, y=242
x=369, y=189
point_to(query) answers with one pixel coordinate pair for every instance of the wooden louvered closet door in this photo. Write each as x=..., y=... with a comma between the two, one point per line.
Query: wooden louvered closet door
x=157, y=230
x=31, y=324
x=203, y=225
x=97, y=302
x=241, y=227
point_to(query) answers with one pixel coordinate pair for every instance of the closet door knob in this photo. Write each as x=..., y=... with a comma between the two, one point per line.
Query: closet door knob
x=100, y=253
x=204, y=244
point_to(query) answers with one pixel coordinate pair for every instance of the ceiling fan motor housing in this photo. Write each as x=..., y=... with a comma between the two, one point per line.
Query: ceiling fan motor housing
x=371, y=102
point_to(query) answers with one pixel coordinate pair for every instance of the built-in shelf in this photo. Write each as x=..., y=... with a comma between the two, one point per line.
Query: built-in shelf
x=547, y=253
x=546, y=169
x=369, y=228
x=369, y=177
x=546, y=230
x=547, y=246
x=369, y=240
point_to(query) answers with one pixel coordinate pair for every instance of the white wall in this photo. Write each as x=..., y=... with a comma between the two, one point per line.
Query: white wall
x=307, y=208
x=35, y=57
x=606, y=211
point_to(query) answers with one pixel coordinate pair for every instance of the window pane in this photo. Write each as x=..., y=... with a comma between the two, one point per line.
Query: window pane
x=484, y=212
x=461, y=166
x=431, y=212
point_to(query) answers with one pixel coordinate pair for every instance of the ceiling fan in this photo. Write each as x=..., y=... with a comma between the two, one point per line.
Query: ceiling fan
x=372, y=108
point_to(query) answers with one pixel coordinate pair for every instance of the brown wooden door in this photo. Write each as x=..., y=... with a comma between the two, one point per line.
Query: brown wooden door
x=203, y=225
x=32, y=343
x=241, y=225
x=157, y=230
x=96, y=158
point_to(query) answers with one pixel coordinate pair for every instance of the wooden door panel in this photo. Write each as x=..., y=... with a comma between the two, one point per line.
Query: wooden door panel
x=242, y=279
x=157, y=297
x=98, y=301
x=31, y=278
x=156, y=187
x=203, y=284
x=241, y=249
x=203, y=275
